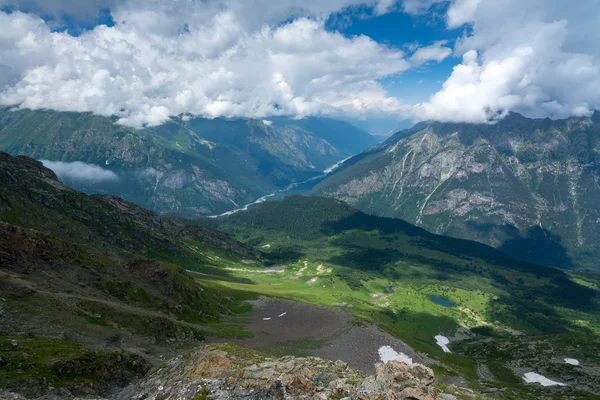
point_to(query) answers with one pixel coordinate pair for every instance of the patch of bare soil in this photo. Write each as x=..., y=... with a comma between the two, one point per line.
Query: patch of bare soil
x=284, y=327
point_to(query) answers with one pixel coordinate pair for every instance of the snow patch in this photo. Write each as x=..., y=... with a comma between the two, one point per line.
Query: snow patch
x=532, y=377
x=443, y=342
x=571, y=361
x=266, y=319
x=281, y=315
x=387, y=353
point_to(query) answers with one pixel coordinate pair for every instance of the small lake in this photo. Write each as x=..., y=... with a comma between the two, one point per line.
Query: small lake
x=442, y=301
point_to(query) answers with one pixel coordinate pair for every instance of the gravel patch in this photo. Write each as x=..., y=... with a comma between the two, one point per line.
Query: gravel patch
x=334, y=334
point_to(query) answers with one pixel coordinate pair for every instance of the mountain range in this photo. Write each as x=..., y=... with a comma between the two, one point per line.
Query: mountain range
x=187, y=166
x=97, y=290
x=529, y=187
x=525, y=186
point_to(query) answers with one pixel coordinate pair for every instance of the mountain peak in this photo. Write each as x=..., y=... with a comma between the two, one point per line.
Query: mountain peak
x=498, y=194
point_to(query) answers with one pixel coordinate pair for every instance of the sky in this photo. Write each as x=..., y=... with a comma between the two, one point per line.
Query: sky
x=382, y=62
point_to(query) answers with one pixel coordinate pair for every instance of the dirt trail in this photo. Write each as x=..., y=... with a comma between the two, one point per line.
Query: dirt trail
x=115, y=304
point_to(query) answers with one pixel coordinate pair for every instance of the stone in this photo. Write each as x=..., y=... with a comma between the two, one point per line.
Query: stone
x=229, y=374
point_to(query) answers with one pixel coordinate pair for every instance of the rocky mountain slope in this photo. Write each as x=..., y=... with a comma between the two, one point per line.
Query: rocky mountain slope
x=31, y=196
x=88, y=297
x=83, y=313
x=94, y=293
x=529, y=187
x=187, y=166
x=226, y=372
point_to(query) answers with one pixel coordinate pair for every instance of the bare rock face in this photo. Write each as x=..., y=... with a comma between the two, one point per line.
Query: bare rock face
x=227, y=372
x=397, y=380
x=525, y=186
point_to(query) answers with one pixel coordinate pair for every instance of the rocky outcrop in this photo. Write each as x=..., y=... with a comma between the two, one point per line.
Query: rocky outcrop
x=228, y=372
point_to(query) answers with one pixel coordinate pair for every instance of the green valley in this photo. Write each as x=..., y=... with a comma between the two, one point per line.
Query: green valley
x=384, y=270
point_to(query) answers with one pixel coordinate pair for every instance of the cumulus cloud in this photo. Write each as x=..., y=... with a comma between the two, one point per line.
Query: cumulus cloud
x=539, y=57
x=461, y=12
x=435, y=52
x=213, y=58
x=80, y=171
x=259, y=58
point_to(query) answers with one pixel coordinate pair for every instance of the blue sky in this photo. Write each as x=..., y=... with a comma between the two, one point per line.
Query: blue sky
x=381, y=61
x=396, y=29
x=399, y=29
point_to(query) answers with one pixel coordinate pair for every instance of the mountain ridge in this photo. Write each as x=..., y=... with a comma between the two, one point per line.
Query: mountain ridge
x=525, y=186
x=186, y=166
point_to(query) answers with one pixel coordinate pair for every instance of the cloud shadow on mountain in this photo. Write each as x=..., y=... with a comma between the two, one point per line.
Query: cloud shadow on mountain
x=536, y=245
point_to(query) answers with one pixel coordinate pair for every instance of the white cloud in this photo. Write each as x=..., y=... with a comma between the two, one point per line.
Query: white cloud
x=461, y=12
x=84, y=10
x=219, y=58
x=384, y=6
x=261, y=58
x=79, y=171
x=539, y=57
x=435, y=52
x=417, y=7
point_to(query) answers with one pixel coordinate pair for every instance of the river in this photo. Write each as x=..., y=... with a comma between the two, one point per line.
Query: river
x=289, y=187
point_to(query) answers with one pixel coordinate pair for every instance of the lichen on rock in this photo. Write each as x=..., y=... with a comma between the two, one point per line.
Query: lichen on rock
x=227, y=372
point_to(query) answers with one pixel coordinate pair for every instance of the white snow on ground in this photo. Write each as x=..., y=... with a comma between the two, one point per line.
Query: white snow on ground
x=571, y=361
x=266, y=319
x=443, y=341
x=532, y=377
x=281, y=315
x=386, y=353
x=266, y=246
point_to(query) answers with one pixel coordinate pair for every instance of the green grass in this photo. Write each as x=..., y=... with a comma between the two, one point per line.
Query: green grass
x=31, y=364
x=384, y=270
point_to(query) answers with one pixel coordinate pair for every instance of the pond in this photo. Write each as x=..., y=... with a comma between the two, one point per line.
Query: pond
x=442, y=301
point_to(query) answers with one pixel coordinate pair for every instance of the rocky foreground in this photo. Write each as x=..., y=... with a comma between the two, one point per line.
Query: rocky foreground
x=229, y=372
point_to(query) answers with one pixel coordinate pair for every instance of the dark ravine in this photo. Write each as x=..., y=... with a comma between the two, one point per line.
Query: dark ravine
x=526, y=186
